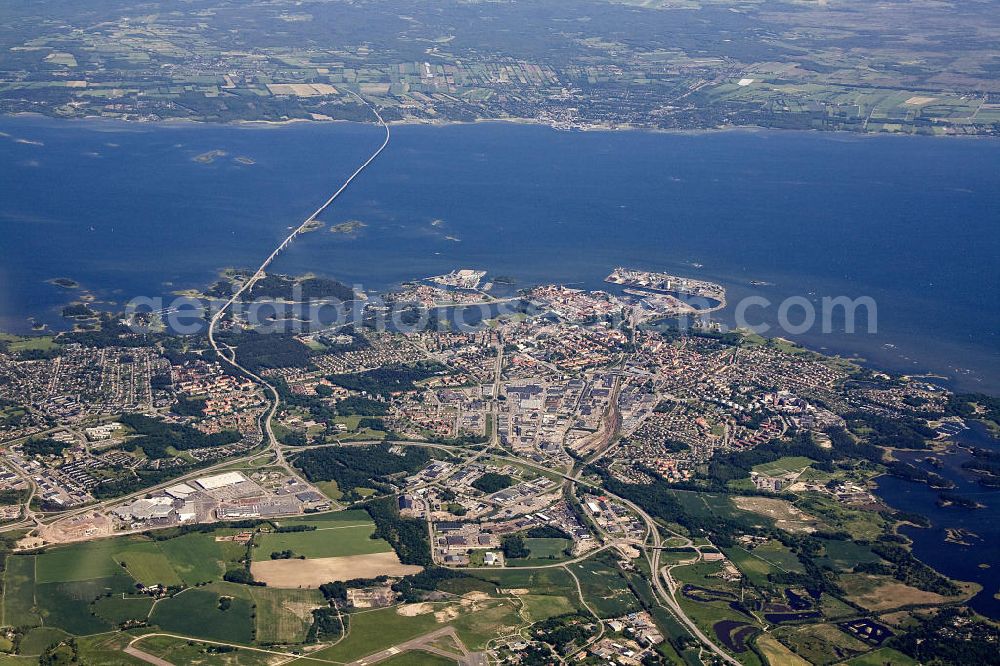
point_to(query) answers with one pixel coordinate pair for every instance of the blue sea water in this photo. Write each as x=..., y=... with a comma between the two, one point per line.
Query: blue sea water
x=913, y=222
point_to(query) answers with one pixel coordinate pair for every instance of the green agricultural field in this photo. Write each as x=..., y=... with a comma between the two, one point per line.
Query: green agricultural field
x=36, y=640
x=146, y=563
x=69, y=605
x=465, y=585
x=199, y=558
x=843, y=555
x=106, y=650
x=117, y=609
x=78, y=561
x=333, y=541
x=777, y=654
x=706, y=505
x=19, y=591
x=284, y=616
x=195, y=612
x=835, y=609
x=766, y=558
x=376, y=630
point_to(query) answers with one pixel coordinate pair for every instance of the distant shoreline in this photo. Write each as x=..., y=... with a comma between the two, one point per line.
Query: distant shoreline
x=595, y=128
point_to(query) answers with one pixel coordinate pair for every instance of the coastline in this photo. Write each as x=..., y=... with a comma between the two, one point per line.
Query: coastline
x=590, y=128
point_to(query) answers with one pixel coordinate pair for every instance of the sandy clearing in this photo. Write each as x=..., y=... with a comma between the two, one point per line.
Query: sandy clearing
x=300, y=609
x=917, y=100
x=412, y=610
x=785, y=515
x=314, y=572
x=447, y=614
x=475, y=596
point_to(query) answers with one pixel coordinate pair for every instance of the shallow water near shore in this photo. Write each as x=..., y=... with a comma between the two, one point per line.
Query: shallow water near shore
x=976, y=560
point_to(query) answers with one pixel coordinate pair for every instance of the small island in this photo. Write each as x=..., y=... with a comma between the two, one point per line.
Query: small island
x=209, y=156
x=349, y=227
x=950, y=499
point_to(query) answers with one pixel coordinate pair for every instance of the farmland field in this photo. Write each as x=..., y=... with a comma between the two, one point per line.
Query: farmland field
x=67, y=605
x=766, y=558
x=284, y=616
x=19, y=591
x=882, y=592
x=843, y=555
x=196, y=612
x=116, y=609
x=706, y=505
x=315, y=572
x=106, y=650
x=199, y=558
x=39, y=638
x=147, y=563
x=79, y=561
x=332, y=541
